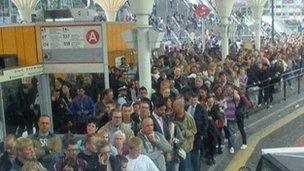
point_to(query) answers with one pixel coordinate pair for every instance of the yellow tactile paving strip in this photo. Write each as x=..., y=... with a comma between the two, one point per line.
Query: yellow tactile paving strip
x=241, y=157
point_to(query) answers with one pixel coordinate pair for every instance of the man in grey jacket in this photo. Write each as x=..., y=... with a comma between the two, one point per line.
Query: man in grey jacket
x=154, y=144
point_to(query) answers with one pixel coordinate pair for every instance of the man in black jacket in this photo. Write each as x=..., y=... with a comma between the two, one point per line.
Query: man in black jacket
x=7, y=158
x=159, y=121
x=199, y=113
x=90, y=152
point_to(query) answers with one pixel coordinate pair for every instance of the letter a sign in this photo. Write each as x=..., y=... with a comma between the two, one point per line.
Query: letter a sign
x=92, y=37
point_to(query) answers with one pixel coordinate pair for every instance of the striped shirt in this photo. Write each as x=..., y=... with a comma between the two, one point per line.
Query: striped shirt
x=230, y=110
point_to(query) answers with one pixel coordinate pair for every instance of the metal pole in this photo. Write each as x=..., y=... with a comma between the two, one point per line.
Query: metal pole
x=105, y=57
x=258, y=34
x=284, y=84
x=225, y=39
x=2, y=116
x=299, y=81
x=44, y=96
x=203, y=34
x=272, y=21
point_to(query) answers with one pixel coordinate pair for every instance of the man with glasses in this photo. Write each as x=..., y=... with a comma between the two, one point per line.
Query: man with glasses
x=116, y=124
x=105, y=159
x=69, y=158
x=154, y=144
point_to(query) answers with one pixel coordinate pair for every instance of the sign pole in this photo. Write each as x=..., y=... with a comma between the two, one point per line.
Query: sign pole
x=202, y=11
x=203, y=34
x=105, y=56
x=44, y=96
x=2, y=116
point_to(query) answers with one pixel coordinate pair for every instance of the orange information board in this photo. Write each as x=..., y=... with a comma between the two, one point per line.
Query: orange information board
x=25, y=42
x=20, y=40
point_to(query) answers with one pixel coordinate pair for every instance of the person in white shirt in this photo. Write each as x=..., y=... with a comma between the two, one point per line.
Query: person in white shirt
x=139, y=161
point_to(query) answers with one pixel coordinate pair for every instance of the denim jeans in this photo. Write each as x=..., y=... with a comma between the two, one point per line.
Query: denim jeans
x=240, y=124
x=173, y=166
x=186, y=165
x=195, y=158
x=232, y=128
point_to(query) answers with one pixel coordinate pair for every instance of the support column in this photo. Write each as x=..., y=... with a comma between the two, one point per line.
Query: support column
x=10, y=8
x=110, y=7
x=257, y=39
x=225, y=38
x=257, y=8
x=2, y=116
x=142, y=10
x=25, y=15
x=25, y=9
x=272, y=21
x=224, y=9
x=44, y=92
x=105, y=57
x=144, y=59
x=144, y=52
x=111, y=16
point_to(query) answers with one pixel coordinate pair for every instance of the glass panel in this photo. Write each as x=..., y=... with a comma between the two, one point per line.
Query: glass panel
x=73, y=100
x=21, y=105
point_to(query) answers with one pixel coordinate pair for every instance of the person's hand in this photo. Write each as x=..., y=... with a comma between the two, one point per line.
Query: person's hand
x=47, y=150
x=70, y=124
x=151, y=137
x=175, y=140
x=67, y=168
x=102, y=159
x=169, y=157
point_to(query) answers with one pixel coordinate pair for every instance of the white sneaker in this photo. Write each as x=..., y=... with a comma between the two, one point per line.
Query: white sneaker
x=244, y=146
x=231, y=150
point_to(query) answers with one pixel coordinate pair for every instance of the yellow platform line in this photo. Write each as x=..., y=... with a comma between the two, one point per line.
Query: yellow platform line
x=241, y=157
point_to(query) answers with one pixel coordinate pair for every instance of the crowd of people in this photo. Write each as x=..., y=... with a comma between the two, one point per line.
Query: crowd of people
x=198, y=102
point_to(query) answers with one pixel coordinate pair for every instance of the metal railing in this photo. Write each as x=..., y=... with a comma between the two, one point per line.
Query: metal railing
x=275, y=90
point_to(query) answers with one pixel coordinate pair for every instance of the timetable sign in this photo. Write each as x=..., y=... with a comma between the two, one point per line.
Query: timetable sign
x=71, y=43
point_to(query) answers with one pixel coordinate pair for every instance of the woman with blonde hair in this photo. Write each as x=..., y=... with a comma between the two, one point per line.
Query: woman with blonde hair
x=24, y=153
